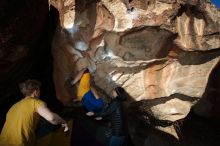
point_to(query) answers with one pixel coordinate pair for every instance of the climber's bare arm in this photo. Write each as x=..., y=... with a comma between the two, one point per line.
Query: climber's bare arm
x=78, y=77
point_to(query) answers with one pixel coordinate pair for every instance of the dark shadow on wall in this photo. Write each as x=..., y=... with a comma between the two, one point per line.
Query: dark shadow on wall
x=209, y=104
x=193, y=130
x=142, y=129
x=197, y=58
x=199, y=131
x=192, y=57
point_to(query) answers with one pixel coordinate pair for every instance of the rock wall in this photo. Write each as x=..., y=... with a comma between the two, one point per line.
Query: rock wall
x=161, y=52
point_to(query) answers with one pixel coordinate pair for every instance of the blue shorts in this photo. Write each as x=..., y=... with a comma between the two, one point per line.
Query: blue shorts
x=91, y=103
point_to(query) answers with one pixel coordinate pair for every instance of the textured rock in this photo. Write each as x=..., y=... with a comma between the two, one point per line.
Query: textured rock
x=195, y=33
x=174, y=78
x=160, y=49
x=172, y=110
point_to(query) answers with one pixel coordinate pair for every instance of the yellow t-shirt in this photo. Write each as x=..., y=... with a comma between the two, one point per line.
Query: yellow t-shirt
x=20, y=124
x=84, y=86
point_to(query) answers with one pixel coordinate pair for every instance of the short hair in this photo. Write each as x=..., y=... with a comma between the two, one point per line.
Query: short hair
x=29, y=86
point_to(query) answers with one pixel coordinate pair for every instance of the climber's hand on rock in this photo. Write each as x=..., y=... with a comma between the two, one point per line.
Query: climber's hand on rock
x=90, y=113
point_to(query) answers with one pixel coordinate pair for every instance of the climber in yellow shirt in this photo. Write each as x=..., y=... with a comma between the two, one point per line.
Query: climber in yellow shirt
x=86, y=93
x=22, y=117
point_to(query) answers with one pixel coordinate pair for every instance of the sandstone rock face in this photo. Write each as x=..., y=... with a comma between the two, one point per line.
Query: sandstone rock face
x=159, y=50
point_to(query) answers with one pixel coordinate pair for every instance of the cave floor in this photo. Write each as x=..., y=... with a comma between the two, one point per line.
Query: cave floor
x=195, y=131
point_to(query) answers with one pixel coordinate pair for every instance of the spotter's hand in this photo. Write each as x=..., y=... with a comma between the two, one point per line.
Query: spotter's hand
x=66, y=128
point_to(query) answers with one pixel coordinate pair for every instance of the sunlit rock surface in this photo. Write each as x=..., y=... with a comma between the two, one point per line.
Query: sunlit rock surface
x=162, y=52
